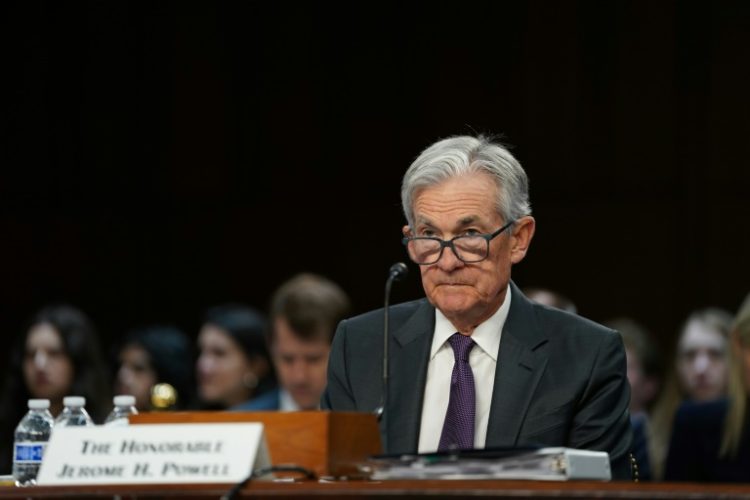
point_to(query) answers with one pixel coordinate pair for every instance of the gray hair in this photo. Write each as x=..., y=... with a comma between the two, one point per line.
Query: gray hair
x=463, y=155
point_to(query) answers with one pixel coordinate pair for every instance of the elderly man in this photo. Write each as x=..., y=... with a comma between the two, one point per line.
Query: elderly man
x=476, y=364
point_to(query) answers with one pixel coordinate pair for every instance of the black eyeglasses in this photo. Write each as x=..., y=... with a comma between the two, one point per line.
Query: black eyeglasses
x=426, y=250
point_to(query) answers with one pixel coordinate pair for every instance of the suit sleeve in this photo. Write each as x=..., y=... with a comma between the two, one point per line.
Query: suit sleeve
x=338, y=394
x=602, y=421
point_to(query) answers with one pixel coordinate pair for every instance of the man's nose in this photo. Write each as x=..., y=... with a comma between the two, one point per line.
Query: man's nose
x=449, y=260
x=299, y=372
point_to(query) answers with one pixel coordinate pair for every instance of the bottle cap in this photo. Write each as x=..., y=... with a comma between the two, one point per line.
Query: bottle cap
x=124, y=400
x=76, y=401
x=38, y=404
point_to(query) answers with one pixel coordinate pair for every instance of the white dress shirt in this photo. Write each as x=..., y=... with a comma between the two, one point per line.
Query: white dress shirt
x=287, y=402
x=483, y=361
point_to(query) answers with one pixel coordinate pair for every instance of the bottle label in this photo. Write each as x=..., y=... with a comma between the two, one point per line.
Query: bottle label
x=29, y=452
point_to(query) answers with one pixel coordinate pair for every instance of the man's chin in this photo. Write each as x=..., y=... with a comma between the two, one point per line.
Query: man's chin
x=306, y=402
x=452, y=301
x=309, y=407
x=451, y=308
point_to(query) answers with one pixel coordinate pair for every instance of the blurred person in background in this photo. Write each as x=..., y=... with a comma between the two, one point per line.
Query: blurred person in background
x=711, y=440
x=58, y=355
x=304, y=314
x=643, y=365
x=233, y=365
x=700, y=373
x=551, y=299
x=152, y=356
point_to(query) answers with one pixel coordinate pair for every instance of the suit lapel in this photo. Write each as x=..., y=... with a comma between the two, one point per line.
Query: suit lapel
x=521, y=362
x=410, y=350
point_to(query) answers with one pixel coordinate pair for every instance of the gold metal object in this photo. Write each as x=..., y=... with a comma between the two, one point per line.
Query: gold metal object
x=163, y=397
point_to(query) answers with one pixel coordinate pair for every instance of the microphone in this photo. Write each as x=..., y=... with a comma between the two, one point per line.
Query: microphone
x=397, y=272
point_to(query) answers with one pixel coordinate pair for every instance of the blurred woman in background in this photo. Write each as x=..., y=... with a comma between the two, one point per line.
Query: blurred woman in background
x=151, y=357
x=644, y=376
x=711, y=441
x=58, y=355
x=234, y=364
x=700, y=374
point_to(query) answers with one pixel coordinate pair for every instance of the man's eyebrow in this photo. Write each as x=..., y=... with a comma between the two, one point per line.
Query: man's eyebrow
x=462, y=222
x=469, y=219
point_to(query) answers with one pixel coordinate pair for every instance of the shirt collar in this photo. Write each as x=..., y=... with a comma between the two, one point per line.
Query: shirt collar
x=486, y=335
x=286, y=402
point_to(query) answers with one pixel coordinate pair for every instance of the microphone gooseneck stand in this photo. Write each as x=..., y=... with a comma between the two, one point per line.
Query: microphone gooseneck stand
x=397, y=272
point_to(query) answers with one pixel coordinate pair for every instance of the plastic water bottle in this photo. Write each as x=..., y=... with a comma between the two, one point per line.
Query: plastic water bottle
x=124, y=407
x=74, y=413
x=31, y=438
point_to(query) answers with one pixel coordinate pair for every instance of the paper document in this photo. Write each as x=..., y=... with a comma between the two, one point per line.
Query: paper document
x=551, y=464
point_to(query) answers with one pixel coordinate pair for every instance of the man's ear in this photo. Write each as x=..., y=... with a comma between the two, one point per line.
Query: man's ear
x=523, y=232
x=406, y=230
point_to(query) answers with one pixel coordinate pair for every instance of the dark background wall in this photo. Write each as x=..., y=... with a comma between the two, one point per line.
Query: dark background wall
x=158, y=158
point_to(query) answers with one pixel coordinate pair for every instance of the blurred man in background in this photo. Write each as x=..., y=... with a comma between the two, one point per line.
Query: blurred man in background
x=304, y=313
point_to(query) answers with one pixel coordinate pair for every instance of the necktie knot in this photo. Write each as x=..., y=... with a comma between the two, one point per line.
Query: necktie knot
x=462, y=345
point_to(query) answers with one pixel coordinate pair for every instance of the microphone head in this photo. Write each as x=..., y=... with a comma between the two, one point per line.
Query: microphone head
x=398, y=271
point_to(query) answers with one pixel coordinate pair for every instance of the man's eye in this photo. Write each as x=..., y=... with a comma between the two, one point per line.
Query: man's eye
x=471, y=232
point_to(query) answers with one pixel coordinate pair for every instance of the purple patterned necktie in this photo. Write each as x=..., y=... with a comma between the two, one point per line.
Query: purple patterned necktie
x=458, y=429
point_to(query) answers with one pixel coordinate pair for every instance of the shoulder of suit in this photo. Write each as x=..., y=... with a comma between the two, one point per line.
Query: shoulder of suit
x=266, y=401
x=566, y=323
x=397, y=312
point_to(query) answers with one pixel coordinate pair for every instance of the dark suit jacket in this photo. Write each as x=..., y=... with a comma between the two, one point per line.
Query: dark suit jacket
x=560, y=379
x=694, y=446
x=269, y=400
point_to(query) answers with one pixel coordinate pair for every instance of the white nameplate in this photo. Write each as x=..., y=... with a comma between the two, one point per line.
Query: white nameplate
x=154, y=454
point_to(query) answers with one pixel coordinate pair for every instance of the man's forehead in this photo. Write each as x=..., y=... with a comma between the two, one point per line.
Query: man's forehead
x=299, y=347
x=283, y=333
x=459, y=200
x=463, y=220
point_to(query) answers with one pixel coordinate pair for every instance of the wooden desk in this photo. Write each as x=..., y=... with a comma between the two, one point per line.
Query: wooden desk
x=329, y=443
x=573, y=490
